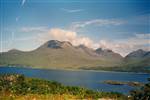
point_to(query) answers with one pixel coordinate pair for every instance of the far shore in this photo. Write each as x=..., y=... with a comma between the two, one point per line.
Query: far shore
x=129, y=83
x=65, y=69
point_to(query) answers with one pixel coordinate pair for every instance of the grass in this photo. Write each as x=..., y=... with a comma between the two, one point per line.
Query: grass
x=39, y=97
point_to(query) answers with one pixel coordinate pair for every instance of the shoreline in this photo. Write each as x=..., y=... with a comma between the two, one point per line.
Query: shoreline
x=38, y=68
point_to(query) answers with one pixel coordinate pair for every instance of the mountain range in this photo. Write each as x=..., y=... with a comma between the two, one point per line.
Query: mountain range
x=56, y=54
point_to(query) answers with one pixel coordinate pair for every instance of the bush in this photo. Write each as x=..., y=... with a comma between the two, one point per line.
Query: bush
x=142, y=94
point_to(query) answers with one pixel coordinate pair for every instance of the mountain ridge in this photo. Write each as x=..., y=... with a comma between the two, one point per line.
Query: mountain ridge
x=63, y=55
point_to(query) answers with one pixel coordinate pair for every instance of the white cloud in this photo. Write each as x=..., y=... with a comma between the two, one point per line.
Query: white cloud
x=122, y=46
x=125, y=46
x=97, y=22
x=23, y=2
x=71, y=10
x=73, y=37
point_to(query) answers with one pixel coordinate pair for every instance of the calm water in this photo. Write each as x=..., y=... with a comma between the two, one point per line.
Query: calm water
x=88, y=79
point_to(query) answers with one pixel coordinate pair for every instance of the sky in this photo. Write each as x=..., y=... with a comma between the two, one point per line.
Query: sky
x=120, y=25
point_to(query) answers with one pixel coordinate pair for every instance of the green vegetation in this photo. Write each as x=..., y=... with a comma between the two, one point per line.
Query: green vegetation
x=141, y=94
x=123, y=83
x=123, y=68
x=16, y=86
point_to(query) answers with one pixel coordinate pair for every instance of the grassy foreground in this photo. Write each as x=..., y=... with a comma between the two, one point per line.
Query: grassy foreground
x=19, y=87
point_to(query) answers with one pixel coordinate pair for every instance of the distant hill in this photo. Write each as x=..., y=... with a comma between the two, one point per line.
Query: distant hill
x=63, y=55
x=138, y=60
x=138, y=54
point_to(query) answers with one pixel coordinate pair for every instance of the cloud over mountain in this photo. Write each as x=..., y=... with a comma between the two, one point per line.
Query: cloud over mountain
x=122, y=46
x=73, y=37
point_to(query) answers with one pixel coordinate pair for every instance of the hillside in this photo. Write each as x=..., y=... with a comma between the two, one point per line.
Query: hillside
x=63, y=55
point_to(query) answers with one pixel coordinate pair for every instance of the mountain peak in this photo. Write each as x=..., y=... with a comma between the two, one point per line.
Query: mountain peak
x=55, y=44
x=53, y=41
x=100, y=50
x=13, y=50
x=140, y=50
x=66, y=44
x=107, y=53
x=138, y=54
x=82, y=46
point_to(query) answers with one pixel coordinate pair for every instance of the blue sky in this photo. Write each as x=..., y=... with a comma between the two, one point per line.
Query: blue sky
x=117, y=24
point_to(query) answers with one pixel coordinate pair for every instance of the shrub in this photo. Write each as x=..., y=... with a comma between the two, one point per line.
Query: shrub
x=141, y=94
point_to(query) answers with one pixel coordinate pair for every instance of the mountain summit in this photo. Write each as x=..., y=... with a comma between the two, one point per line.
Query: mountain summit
x=109, y=54
x=138, y=54
x=55, y=44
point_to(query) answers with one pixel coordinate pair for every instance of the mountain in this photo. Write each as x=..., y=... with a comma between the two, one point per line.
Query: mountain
x=63, y=55
x=87, y=50
x=138, y=60
x=57, y=54
x=54, y=44
x=138, y=54
x=108, y=54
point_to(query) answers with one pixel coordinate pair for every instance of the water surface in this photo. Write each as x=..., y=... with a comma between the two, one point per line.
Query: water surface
x=88, y=79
